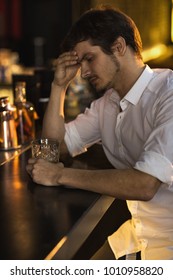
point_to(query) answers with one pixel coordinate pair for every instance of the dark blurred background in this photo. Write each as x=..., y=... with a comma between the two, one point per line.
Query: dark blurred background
x=31, y=32
x=33, y=27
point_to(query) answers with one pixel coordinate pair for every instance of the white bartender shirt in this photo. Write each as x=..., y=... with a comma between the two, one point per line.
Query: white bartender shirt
x=139, y=136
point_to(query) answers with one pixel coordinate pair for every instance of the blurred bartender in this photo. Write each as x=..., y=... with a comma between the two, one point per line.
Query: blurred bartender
x=134, y=122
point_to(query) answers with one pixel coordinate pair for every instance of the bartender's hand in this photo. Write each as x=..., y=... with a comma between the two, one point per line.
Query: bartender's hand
x=44, y=172
x=67, y=67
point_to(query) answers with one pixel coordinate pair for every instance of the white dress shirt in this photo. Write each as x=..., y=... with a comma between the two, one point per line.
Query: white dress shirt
x=139, y=136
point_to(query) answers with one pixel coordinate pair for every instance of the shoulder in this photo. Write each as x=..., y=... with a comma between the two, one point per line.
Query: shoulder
x=162, y=80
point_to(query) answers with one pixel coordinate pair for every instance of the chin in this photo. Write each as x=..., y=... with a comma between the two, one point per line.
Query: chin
x=99, y=89
x=103, y=88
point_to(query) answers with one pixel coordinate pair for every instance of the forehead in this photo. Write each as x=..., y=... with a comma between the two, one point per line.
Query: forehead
x=85, y=47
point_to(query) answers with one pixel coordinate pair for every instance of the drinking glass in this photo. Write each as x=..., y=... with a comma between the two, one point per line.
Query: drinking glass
x=48, y=149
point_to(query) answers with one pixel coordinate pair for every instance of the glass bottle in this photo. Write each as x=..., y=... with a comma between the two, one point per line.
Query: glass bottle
x=8, y=135
x=25, y=121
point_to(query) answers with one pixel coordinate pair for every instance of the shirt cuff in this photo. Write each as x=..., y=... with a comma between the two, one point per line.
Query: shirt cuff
x=156, y=165
x=124, y=241
x=73, y=141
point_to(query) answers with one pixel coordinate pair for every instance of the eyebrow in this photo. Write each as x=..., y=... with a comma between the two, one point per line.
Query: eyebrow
x=83, y=57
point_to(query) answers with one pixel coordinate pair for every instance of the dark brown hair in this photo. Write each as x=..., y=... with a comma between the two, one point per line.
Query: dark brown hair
x=102, y=26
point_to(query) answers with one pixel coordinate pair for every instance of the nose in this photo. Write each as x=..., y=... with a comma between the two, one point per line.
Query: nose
x=85, y=71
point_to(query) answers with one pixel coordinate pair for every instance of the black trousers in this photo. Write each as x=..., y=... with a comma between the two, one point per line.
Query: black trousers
x=105, y=253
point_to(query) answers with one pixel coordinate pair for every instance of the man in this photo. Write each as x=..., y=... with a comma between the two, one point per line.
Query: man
x=134, y=122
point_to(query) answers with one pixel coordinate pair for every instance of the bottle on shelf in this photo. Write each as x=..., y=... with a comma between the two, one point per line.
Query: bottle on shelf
x=25, y=121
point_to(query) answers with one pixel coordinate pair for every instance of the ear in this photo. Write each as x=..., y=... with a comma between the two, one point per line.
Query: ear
x=119, y=46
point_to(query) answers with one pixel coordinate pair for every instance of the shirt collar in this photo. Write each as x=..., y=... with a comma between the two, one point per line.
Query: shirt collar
x=134, y=94
x=136, y=91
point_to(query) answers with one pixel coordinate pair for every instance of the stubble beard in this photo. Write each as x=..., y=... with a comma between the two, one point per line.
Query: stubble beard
x=103, y=88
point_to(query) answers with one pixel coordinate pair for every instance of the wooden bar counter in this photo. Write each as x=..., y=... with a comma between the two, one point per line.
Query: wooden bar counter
x=38, y=222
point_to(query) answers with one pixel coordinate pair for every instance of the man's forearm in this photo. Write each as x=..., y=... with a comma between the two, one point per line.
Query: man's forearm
x=123, y=184
x=53, y=122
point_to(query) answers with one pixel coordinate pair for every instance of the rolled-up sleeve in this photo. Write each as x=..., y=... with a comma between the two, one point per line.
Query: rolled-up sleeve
x=84, y=131
x=73, y=141
x=157, y=155
x=156, y=165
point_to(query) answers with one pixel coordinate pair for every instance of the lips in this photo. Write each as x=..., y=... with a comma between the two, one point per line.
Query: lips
x=93, y=80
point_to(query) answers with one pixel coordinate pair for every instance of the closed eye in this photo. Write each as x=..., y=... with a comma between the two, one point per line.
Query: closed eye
x=89, y=59
x=86, y=58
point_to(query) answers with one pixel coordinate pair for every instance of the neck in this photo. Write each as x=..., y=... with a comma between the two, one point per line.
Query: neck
x=129, y=74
